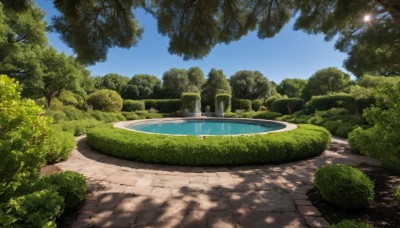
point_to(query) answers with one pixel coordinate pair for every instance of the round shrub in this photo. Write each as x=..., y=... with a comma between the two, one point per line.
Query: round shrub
x=344, y=186
x=68, y=98
x=350, y=224
x=303, y=142
x=105, y=100
x=57, y=115
x=70, y=185
x=132, y=106
x=59, y=146
x=256, y=104
x=397, y=195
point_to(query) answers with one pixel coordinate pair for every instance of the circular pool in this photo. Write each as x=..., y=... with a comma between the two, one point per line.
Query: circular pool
x=206, y=126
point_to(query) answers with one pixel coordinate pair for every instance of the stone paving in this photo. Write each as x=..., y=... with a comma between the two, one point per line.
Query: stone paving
x=131, y=194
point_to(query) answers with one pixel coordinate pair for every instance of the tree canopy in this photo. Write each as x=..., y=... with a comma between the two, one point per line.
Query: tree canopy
x=249, y=85
x=216, y=83
x=292, y=87
x=142, y=86
x=111, y=81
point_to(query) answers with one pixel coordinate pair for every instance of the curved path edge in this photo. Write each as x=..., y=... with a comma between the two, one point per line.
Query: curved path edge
x=132, y=194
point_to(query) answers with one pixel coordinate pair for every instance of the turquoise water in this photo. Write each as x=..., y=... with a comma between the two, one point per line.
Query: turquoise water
x=206, y=127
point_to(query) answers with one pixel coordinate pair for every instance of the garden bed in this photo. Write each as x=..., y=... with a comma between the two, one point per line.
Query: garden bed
x=383, y=212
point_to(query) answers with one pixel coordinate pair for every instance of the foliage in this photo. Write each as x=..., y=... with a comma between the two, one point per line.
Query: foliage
x=70, y=185
x=242, y=104
x=350, y=224
x=56, y=115
x=196, y=78
x=216, y=83
x=256, y=104
x=37, y=209
x=175, y=82
x=344, y=186
x=107, y=117
x=305, y=141
x=189, y=101
x=383, y=139
x=287, y=105
x=78, y=127
x=292, y=87
x=69, y=98
x=105, y=100
x=337, y=120
x=59, y=146
x=268, y=102
x=131, y=116
x=230, y=115
x=397, y=195
x=132, y=105
x=268, y=115
x=24, y=129
x=330, y=101
x=163, y=105
x=369, y=81
x=114, y=82
x=249, y=85
x=241, y=113
x=225, y=98
x=326, y=81
x=142, y=86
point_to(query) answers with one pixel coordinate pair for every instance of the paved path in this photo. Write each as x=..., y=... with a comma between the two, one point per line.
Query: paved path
x=132, y=194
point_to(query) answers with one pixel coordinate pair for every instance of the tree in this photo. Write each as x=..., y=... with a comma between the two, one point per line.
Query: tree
x=196, y=79
x=216, y=83
x=292, y=87
x=105, y=100
x=175, y=82
x=142, y=86
x=111, y=81
x=249, y=85
x=326, y=81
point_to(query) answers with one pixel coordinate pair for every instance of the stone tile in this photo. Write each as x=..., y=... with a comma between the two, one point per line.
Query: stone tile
x=108, y=201
x=120, y=220
x=299, y=196
x=125, y=180
x=303, y=202
x=220, y=219
x=199, y=179
x=309, y=211
x=316, y=221
x=139, y=203
x=194, y=218
x=146, y=217
x=142, y=182
x=161, y=192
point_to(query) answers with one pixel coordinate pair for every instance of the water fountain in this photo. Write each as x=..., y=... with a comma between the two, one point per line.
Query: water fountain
x=197, y=110
x=219, y=110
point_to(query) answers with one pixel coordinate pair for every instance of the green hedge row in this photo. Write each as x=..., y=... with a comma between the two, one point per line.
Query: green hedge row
x=189, y=101
x=163, y=105
x=300, y=143
x=287, y=105
x=331, y=101
x=241, y=104
x=132, y=105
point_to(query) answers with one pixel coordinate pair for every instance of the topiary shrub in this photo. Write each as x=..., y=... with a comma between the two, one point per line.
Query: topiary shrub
x=332, y=101
x=68, y=98
x=287, y=106
x=163, y=105
x=189, y=102
x=397, y=195
x=344, y=186
x=105, y=100
x=268, y=115
x=242, y=104
x=59, y=146
x=350, y=224
x=70, y=185
x=133, y=105
x=37, y=209
x=268, y=102
x=256, y=104
x=225, y=98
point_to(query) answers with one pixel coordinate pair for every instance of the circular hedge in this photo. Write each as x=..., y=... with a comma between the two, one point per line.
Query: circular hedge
x=344, y=186
x=302, y=142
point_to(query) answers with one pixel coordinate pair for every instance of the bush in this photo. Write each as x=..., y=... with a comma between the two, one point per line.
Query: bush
x=350, y=224
x=73, y=113
x=163, y=105
x=332, y=101
x=59, y=146
x=303, y=142
x=37, y=209
x=132, y=106
x=268, y=102
x=131, y=116
x=70, y=185
x=189, y=102
x=226, y=99
x=148, y=115
x=57, y=116
x=242, y=104
x=68, y=98
x=287, y=105
x=268, y=115
x=230, y=115
x=107, y=117
x=78, y=127
x=105, y=100
x=256, y=104
x=344, y=186
x=397, y=195
x=244, y=114
x=262, y=109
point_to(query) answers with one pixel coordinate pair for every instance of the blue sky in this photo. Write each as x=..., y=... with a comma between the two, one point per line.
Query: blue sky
x=290, y=54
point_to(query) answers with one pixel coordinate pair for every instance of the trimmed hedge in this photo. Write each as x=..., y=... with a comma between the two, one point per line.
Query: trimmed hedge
x=132, y=105
x=303, y=142
x=189, y=101
x=287, y=106
x=226, y=99
x=242, y=104
x=107, y=117
x=268, y=115
x=344, y=186
x=163, y=105
x=256, y=104
x=332, y=101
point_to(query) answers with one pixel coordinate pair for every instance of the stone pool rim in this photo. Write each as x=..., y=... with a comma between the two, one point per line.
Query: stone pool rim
x=125, y=124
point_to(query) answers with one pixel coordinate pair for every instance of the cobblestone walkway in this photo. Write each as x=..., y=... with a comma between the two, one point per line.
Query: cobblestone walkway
x=130, y=194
